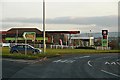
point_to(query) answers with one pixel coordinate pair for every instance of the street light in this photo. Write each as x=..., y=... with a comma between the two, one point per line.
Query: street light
x=44, y=45
x=90, y=34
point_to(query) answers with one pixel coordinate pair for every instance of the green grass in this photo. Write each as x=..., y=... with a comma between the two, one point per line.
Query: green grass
x=7, y=54
x=79, y=51
x=53, y=53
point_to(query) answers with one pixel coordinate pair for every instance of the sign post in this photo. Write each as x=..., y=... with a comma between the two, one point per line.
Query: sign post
x=25, y=47
x=28, y=36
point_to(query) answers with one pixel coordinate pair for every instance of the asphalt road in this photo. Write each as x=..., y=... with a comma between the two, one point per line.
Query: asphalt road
x=67, y=66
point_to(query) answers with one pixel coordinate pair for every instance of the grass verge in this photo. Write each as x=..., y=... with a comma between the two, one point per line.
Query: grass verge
x=53, y=53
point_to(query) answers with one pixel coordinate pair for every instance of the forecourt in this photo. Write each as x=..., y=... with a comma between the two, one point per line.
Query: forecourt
x=67, y=66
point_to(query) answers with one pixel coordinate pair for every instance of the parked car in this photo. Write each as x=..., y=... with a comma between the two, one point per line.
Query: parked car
x=21, y=48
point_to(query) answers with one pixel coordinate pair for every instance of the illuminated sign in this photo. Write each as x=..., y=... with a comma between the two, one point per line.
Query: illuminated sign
x=105, y=38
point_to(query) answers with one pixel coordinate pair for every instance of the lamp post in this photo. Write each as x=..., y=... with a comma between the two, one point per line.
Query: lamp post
x=90, y=37
x=44, y=45
x=90, y=33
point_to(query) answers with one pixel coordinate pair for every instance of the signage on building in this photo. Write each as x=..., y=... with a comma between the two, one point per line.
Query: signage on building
x=104, y=32
x=60, y=41
x=104, y=42
x=29, y=35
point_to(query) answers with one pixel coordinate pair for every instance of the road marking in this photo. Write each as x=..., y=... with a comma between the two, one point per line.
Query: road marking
x=57, y=60
x=118, y=63
x=84, y=56
x=81, y=57
x=89, y=63
x=69, y=61
x=110, y=73
x=107, y=63
x=113, y=63
x=63, y=61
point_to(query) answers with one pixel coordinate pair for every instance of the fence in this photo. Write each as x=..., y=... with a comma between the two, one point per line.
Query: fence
x=103, y=48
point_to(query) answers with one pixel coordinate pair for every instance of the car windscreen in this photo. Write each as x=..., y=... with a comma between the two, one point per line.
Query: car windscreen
x=31, y=46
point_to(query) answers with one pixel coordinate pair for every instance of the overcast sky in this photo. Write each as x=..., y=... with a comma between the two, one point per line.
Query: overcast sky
x=75, y=15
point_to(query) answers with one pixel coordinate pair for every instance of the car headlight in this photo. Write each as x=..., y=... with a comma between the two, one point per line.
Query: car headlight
x=40, y=50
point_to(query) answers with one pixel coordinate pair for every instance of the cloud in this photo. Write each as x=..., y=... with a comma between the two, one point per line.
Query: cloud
x=100, y=21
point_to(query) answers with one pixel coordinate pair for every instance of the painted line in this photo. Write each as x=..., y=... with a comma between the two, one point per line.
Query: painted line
x=57, y=61
x=107, y=63
x=118, y=63
x=110, y=73
x=81, y=57
x=89, y=63
x=113, y=63
x=84, y=56
x=63, y=61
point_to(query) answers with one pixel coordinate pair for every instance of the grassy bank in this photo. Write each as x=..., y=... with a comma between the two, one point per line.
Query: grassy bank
x=53, y=53
x=79, y=51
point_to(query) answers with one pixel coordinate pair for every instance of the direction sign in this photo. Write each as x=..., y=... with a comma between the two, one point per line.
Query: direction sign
x=29, y=35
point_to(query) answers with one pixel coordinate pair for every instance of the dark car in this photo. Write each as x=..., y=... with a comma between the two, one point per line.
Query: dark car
x=22, y=48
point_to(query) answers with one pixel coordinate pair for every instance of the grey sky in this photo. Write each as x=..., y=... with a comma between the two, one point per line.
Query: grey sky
x=61, y=15
x=58, y=9
x=100, y=21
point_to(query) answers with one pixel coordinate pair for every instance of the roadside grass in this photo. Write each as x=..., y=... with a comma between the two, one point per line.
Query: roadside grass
x=53, y=53
x=7, y=54
x=80, y=51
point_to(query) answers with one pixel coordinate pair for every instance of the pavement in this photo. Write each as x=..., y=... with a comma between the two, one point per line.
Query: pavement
x=68, y=66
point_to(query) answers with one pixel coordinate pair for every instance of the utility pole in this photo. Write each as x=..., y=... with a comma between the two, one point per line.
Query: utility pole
x=44, y=45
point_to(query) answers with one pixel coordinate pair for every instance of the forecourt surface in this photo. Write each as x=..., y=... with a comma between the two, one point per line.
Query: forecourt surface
x=68, y=66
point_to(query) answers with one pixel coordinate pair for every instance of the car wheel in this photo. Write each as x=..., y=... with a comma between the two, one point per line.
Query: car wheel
x=34, y=52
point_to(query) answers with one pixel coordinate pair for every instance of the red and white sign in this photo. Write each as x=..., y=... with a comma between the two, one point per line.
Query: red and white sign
x=60, y=41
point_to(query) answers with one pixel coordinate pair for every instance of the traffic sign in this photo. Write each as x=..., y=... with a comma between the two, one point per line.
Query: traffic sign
x=29, y=36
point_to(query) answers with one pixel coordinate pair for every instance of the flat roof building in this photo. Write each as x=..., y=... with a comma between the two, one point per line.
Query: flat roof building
x=52, y=37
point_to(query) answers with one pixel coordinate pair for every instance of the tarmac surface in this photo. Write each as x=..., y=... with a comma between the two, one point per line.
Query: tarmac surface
x=68, y=66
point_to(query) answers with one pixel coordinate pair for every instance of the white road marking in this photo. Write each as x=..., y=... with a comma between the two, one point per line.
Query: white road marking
x=107, y=63
x=84, y=56
x=118, y=63
x=81, y=57
x=57, y=60
x=63, y=61
x=89, y=63
x=113, y=63
x=69, y=61
x=110, y=73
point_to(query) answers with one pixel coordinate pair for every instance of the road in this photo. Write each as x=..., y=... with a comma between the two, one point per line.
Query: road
x=67, y=66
